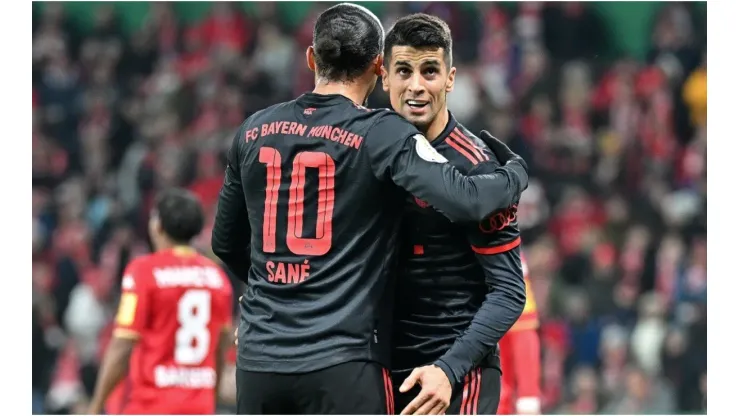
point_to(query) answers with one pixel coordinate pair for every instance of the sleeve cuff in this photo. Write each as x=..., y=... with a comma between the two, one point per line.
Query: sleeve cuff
x=448, y=371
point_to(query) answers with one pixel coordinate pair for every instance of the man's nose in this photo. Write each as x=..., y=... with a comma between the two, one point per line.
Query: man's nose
x=416, y=86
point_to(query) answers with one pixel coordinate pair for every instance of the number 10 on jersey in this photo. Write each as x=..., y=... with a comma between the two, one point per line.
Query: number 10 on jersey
x=307, y=246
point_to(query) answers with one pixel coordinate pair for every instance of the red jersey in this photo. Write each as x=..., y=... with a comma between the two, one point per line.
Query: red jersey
x=176, y=303
x=520, y=359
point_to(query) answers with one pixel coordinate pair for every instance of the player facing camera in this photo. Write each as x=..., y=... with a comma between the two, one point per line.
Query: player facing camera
x=442, y=364
x=419, y=72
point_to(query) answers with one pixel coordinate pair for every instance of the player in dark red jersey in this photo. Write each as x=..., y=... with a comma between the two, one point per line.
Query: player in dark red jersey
x=520, y=361
x=308, y=215
x=173, y=325
x=460, y=286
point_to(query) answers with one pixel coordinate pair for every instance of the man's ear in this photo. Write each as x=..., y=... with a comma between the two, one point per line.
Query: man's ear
x=310, y=59
x=450, y=85
x=384, y=80
x=378, y=65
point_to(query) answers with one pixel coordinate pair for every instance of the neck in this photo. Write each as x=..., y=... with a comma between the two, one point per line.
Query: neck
x=355, y=91
x=437, y=126
x=166, y=244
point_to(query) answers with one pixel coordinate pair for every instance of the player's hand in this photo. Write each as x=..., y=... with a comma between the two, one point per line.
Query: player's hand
x=501, y=150
x=435, y=394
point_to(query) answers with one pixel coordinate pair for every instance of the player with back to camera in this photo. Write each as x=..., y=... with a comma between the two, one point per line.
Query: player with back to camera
x=173, y=325
x=308, y=216
x=460, y=285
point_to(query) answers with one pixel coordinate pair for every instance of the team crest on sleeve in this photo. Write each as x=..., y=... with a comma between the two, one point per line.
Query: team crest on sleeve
x=498, y=221
x=426, y=151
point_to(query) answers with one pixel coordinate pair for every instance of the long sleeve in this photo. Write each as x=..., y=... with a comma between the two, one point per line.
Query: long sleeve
x=231, y=235
x=398, y=152
x=496, y=243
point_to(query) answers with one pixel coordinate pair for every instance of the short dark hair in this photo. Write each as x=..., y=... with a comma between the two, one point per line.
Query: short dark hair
x=180, y=214
x=420, y=31
x=346, y=38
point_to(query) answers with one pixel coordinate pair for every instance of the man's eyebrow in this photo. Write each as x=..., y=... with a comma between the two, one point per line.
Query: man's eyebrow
x=426, y=62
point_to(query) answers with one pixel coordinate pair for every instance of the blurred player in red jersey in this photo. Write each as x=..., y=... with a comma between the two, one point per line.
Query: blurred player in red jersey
x=520, y=360
x=173, y=325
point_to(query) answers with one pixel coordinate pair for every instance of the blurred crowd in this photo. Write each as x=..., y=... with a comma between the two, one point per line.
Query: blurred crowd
x=614, y=220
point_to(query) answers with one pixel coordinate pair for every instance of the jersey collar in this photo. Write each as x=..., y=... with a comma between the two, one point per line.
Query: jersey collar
x=322, y=99
x=451, y=124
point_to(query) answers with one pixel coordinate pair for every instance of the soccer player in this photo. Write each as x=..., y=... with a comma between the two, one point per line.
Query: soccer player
x=173, y=325
x=308, y=215
x=460, y=286
x=520, y=361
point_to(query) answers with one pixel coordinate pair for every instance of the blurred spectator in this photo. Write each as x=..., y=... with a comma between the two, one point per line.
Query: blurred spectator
x=573, y=31
x=613, y=221
x=614, y=355
x=642, y=395
x=583, y=397
x=274, y=55
x=695, y=93
x=649, y=333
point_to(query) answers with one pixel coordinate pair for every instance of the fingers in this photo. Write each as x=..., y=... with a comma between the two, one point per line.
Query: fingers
x=410, y=381
x=415, y=404
x=439, y=409
x=427, y=407
x=425, y=404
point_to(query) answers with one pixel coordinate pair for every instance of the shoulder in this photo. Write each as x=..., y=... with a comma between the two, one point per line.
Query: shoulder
x=463, y=131
x=388, y=118
x=388, y=126
x=466, y=151
x=141, y=263
x=266, y=114
x=138, y=271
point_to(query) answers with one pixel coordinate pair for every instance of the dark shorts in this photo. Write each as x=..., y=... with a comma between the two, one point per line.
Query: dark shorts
x=479, y=394
x=348, y=388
